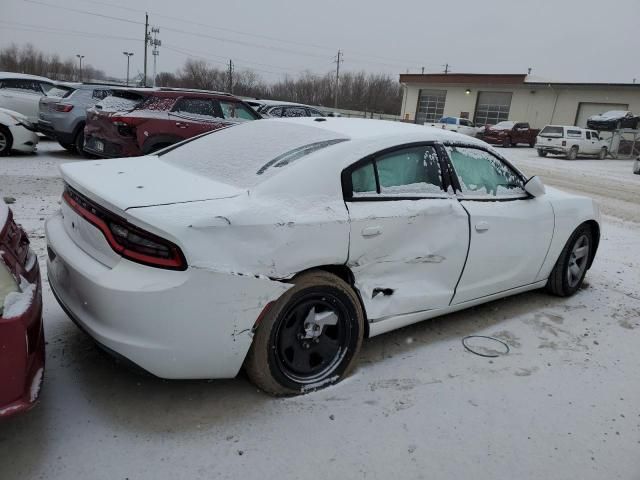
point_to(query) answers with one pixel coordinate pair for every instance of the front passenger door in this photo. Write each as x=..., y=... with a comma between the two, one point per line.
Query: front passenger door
x=510, y=231
x=408, y=237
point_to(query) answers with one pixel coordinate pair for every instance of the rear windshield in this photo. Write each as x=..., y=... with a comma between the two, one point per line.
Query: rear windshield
x=58, y=91
x=550, y=131
x=227, y=155
x=120, y=101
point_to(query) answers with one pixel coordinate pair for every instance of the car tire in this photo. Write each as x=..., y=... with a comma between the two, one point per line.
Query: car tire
x=602, y=154
x=291, y=355
x=573, y=153
x=506, y=143
x=79, y=144
x=572, y=264
x=71, y=147
x=541, y=153
x=532, y=144
x=6, y=141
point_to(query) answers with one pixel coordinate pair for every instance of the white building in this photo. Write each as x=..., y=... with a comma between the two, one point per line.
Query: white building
x=489, y=98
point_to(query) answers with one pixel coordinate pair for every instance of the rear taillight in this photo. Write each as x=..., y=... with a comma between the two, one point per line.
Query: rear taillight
x=63, y=107
x=126, y=126
x=129, y=241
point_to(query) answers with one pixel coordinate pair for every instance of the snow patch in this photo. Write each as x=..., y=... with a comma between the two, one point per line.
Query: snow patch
x=35, y=385
x=17, y=303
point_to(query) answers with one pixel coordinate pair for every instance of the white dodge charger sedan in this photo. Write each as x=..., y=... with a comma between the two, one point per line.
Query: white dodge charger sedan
x=280, y=244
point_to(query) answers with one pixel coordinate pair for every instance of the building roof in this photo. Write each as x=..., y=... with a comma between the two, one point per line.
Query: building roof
x=498, y=79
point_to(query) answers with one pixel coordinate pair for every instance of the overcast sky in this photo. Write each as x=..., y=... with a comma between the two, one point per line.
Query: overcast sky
x=571, y=40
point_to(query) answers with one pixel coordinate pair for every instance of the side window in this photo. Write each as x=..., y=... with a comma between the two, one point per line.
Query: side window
x=197, y=107
x=595, y=135
x=295, y=112
x=26, y=86
x=588, y=134
x=46, y=86
x=410, y=172
x=101, y=94
x=314, y=113
x=465, y=123
x=482, y=174
x=236, y=110
x=574, y=133
x=275, y=112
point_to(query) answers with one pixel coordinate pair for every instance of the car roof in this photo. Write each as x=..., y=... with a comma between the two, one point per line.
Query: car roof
x=24, y=76
x=363, y=129
x=274, y=103
x=180, y=92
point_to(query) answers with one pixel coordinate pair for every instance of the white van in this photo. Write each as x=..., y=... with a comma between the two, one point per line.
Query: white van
x=570, y=141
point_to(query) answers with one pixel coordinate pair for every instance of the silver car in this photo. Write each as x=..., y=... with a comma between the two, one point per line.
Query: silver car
x=63, y=111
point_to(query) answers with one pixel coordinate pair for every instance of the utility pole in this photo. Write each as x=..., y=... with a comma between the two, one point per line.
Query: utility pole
x=230, y=79
x=147, y=39
x=339, y=58
x=155, y=43
x=422, y=70
x=446, y=68
x=128, y=54
x=80, y=57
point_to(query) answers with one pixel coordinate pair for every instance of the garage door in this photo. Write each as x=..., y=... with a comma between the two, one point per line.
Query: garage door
x=492, y=107
x=586, y=109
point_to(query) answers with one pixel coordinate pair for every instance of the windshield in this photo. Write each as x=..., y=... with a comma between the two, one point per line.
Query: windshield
x=227, y=156
x=549, y=131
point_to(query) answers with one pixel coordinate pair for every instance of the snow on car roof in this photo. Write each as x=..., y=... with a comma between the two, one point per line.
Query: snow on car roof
x=244, y=154
x=23, y=76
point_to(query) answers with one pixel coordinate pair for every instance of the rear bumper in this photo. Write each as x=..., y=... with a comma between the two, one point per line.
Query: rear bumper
x=22, y=358
x=552, y=149
x=110, y=149
x=174, y=324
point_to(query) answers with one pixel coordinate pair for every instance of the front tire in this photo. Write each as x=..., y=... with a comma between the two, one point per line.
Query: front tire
x=6, y=141
x=506, y=143
x=309, y=338
x=541, y=153
x=571, y=267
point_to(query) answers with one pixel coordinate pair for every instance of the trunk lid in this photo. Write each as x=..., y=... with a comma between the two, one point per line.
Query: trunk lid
x=121, y=184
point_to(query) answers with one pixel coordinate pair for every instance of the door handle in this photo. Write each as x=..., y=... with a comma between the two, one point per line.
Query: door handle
x=482, y=227
x=181, y=125
x=371, y=231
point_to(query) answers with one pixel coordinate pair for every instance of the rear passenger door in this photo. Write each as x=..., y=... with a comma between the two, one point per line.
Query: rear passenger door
x=408, y=237
x=193, y=116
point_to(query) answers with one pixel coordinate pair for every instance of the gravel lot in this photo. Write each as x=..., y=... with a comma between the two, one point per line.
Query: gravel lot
x=564, y=404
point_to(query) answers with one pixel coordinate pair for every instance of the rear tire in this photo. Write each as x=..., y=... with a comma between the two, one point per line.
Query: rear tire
x=568, y=273
x=541, y=153
x=573, y=153
x=603, y=153
x=506, y=143
x=6, y=141
x=309, y=338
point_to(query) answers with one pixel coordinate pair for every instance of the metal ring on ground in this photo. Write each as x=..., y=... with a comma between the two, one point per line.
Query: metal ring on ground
x=467, y=347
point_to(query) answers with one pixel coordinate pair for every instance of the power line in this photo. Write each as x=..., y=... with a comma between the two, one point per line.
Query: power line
x=77, y=10
x=40, y=28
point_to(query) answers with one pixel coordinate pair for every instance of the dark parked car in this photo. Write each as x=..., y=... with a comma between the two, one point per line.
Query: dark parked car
x=141, y=121
x=510, y=134
x=613, y=120
x=275, y=108
x=21, y=333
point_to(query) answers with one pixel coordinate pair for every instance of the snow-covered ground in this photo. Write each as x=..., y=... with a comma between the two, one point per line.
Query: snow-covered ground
x=563, y=404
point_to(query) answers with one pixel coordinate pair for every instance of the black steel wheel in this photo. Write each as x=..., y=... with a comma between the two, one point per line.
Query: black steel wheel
x=309, y=338
x=571, y=267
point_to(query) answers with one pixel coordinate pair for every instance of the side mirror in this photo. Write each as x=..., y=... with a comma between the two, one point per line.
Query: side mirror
x=535, y=187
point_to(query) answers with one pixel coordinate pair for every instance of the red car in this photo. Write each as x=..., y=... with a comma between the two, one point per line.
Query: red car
x=21, y=332
x=141, y=121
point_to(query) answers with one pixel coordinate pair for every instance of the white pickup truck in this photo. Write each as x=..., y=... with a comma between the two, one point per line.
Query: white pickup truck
x=456, y=124
x=570, y=142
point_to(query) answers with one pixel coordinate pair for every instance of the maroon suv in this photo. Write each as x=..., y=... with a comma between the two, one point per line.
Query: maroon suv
x=141, y=121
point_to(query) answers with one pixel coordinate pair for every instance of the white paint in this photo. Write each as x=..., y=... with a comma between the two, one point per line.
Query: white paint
x=15, y=122
x=242, y=231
